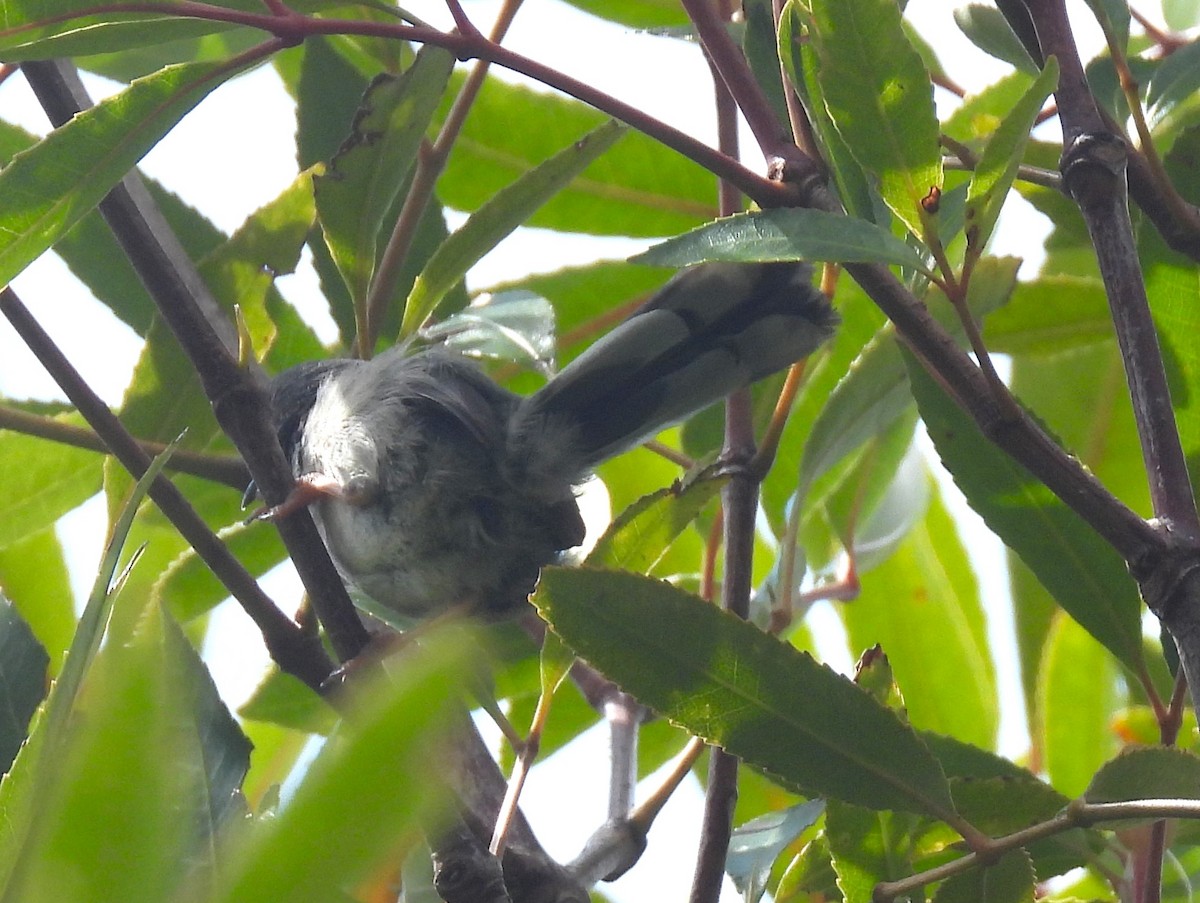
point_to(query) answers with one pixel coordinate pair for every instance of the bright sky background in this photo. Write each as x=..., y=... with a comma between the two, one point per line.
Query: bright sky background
x=228, y=177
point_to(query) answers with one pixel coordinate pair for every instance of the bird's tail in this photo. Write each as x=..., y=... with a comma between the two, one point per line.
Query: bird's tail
x=712, y=329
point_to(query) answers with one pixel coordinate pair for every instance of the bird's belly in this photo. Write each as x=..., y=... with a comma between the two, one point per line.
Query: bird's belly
x=408, y=566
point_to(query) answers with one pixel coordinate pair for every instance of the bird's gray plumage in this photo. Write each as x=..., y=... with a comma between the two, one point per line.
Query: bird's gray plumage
x=449, y=489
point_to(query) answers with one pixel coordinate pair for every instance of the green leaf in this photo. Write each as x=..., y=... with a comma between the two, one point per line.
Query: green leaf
x=94, y=257
x=1146, y=772
x=639, y=188
x=1076, y=695
x=282, y=699
x=858, y=196
x=760, y=46
x=1003, y=805
x=925, y=597
x=133, y=62
x=153, y=721
x=1049, y=315
x=164, y=398
x=554, y=663
x=23, y=678
x=242, y=271
x=1071, y=560
x=1034, y=610
x=50, y=187
x=987, y=29
x=1010, y=880
x=1180, y=15
x=861, y=320
x=189, y=589
x=867, y=847
x=1113, y=16
x=43, y=481
x=642, y=14
x=43, y=29
x=33, y=574
x=126, y=733
x=872, y=501
x=755, y=845
x=726, y=681
x=1174, y=291
x=1175, y=82
x=879, y=96
x=509, y=208
x=789, y=233
x=363, y=179
x=328, y=90
x=979, y=115
x=372, y=786
x=997, y=166
x=962, y=760
x=641, y=534
x=875, y=392
x=1082, y=396
x=809, y=876
x=37, y=767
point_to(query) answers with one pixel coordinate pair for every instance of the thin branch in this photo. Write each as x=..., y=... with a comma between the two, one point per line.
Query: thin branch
x=624, y=715
x=1177, y=209
x=225, y=469
x=461, y=20
x=294, y=652
x=1012, y=430
x=767, y=192
x=431, y=161
x=802, y=130
x=1078, y=814
x=239, y=398
x=1168, y=42
x=1093, y=168
x=769, y=446
x=739, y=503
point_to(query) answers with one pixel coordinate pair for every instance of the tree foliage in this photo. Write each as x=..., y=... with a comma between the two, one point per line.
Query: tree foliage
x=127, y=778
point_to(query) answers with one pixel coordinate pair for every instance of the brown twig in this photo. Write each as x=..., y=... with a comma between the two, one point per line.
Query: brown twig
x=225, y=469
x=290, y=648
x=431, y=161
x=239, y=399
x=739, y=502
x=1094, y=174
x=293, y=28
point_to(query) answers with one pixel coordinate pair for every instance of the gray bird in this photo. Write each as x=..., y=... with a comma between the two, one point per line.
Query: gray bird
x=434, y=487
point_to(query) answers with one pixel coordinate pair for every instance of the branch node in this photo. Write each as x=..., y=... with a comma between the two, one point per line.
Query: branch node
x=1090, y=154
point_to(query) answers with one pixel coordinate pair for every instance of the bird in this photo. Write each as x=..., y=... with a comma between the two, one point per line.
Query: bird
x=436, y=489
